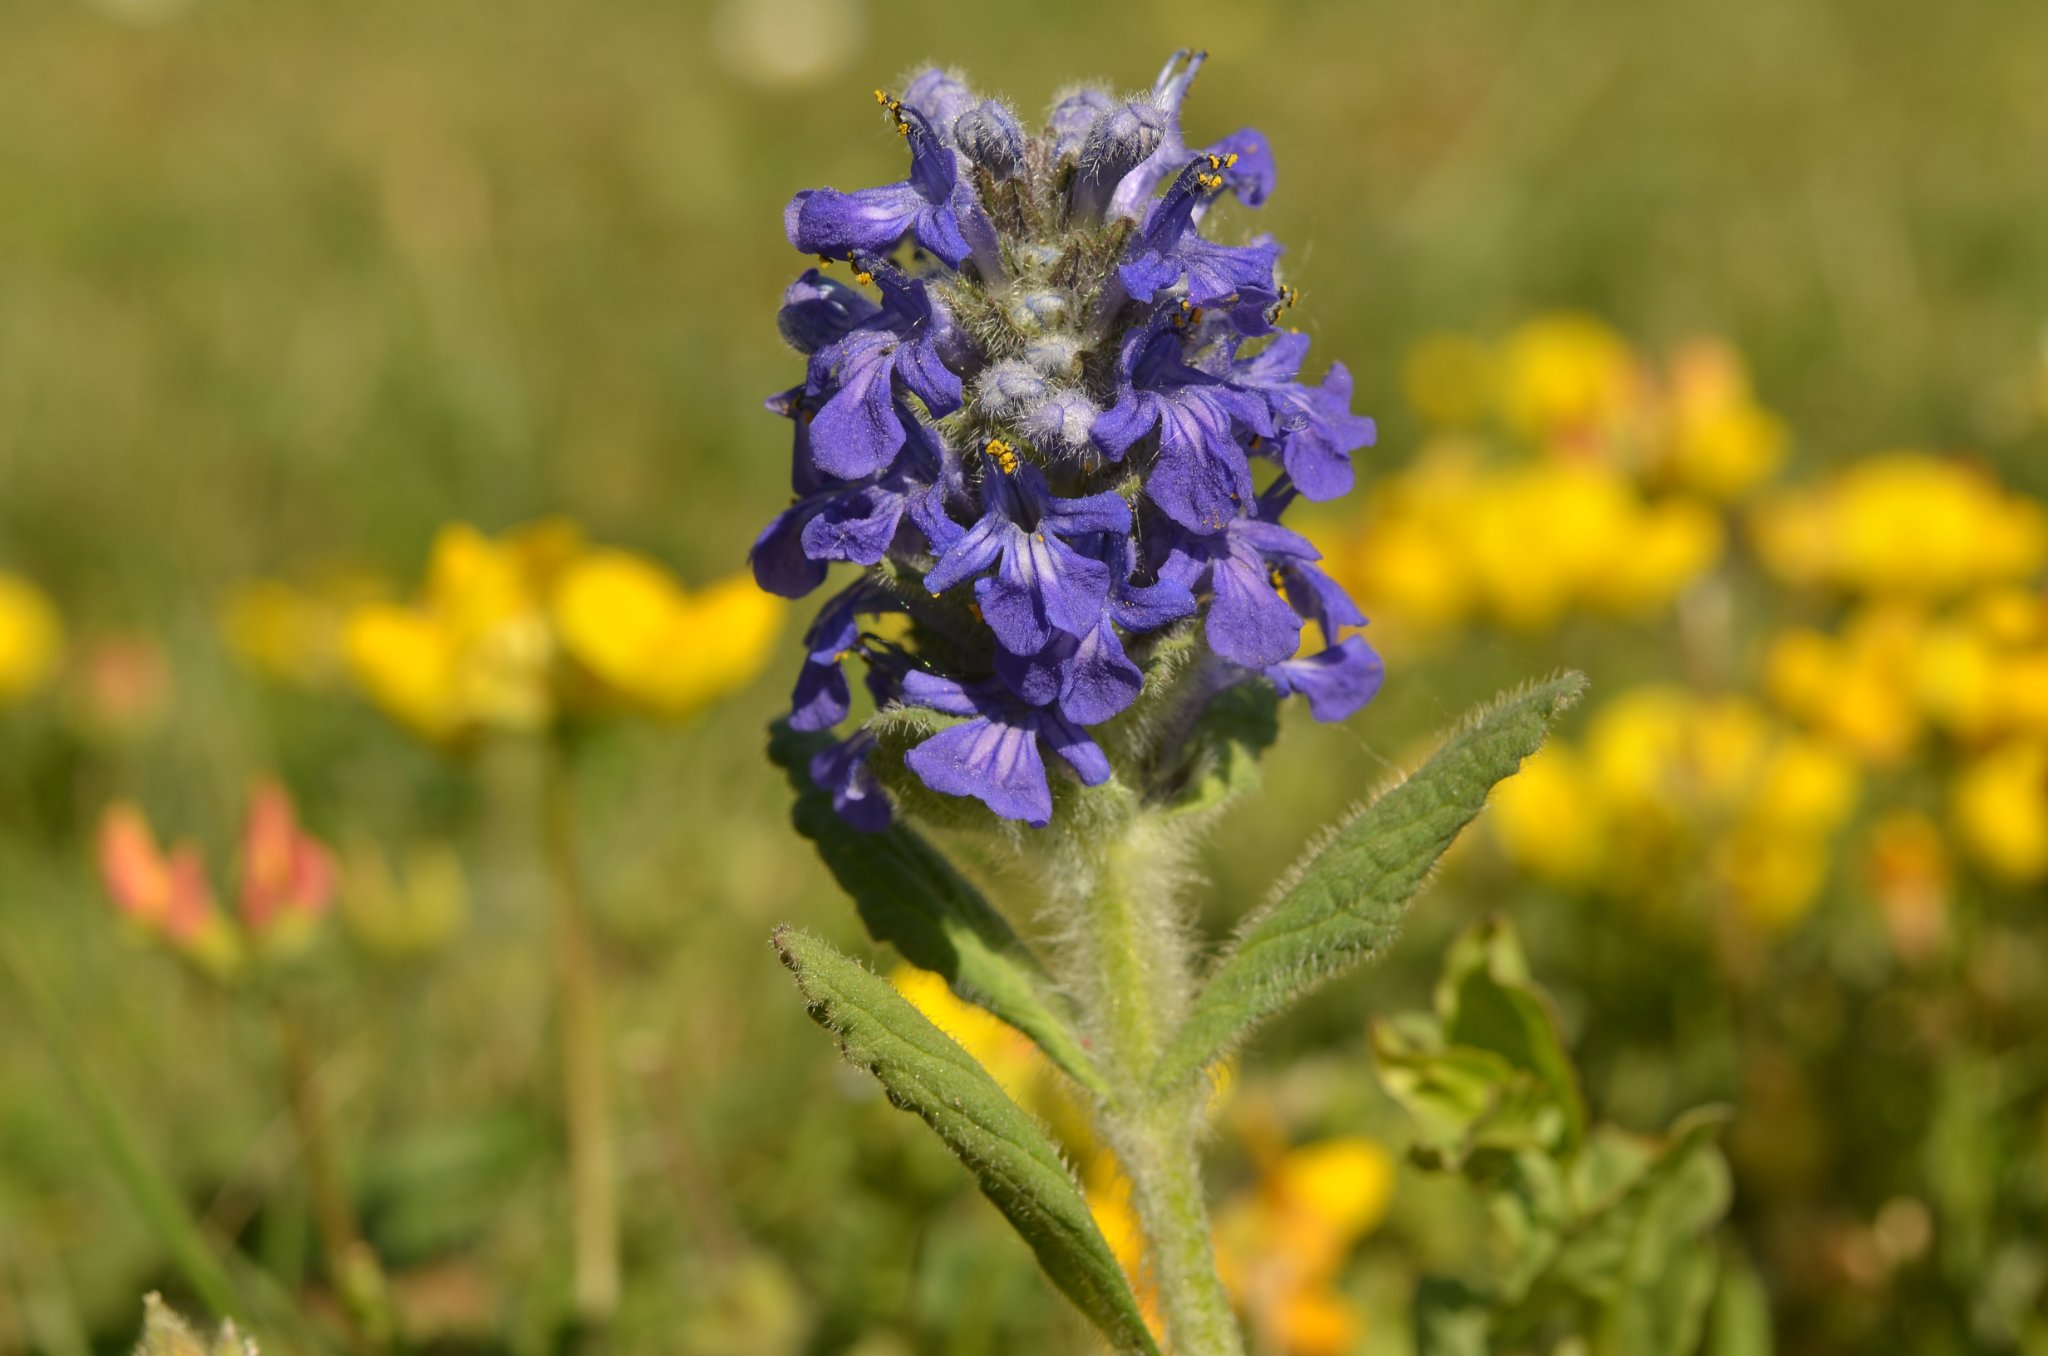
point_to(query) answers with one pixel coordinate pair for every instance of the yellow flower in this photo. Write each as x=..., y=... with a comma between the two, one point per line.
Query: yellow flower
x=1281, y=1244
x=1665, y=547
x=475, y=651
x=626, y=621
x=1566, y=378
x=1903, y=524
x=1720, y=442
x=1548, y=818
x=1999, y=806
x=31, y=638
x=1860, y=687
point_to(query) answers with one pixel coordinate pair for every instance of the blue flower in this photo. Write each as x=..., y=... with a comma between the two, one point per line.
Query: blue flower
x=1248, y=161
x=1314, y=427
x=993, y=756
x=929, y=206
x=1337, y=680
x=1202, y=473
x=843, y=770
x=840, y=520
x=1041, y=584
x=859, y=427
x=1263, y=585
x=1169, y=249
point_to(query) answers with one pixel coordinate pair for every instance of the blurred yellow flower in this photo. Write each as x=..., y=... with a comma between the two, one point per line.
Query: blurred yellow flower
x=1904, y=524
x=475, y=652
x=1281, y=1244
x=1549, y=818
x=1999, y=807
x=1858, y=686
x=1669, y=785
x=1451, y=540
x=31, y=638
x=1717, y=440
x=508, y=632
x=627, y=621
x=1566, y=379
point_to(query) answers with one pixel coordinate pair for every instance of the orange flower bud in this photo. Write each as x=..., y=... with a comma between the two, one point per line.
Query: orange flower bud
x=285, y=871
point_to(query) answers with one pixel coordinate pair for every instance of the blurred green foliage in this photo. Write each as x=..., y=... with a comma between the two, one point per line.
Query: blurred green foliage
x=284, y=285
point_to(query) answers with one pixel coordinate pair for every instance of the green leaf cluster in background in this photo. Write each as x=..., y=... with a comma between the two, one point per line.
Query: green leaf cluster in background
x=1604, y=1240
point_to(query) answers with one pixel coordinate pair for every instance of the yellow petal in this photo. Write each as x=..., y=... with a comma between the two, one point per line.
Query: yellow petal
x=31, y=638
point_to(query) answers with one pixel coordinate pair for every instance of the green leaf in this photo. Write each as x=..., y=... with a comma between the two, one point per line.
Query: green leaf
x=1740, y=1322
x=1344, y=905
x=1487, y=1001
x=1018, y=1167
x=912, y=898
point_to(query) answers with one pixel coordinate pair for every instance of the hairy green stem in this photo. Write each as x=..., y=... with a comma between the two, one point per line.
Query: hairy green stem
x=1135, y=944
x=586, y=1094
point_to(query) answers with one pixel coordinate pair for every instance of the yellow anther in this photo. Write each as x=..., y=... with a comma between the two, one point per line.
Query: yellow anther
x=863, y=277
x=1257, y=442
x=1003, y=455
x=882, y=97
x=1279, y=581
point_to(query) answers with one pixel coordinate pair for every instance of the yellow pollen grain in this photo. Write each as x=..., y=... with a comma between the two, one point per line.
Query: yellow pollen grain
x=1003, y=455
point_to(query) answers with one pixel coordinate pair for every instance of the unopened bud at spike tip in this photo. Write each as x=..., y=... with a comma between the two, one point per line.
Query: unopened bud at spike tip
x=990, y=136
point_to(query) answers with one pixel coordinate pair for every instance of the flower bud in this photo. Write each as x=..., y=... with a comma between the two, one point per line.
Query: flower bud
x=1071, y=118
x=1056, y=355
x=286, y=874
x=940, y=96
x=1036, y=310
x=1007, y=388
x=1122, y=138
x=988, y=134
x=1061, y=421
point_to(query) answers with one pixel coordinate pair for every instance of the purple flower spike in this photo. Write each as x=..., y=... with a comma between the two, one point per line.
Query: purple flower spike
x=1061, y=303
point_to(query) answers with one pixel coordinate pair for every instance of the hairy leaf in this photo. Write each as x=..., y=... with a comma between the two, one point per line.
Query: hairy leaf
x=1018, y=1167
x=1346, y=902
x=912, y=898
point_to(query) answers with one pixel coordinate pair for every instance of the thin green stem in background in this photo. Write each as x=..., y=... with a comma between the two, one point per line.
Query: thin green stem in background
x=352, y=1265
x=240, y=1292
x=586, y=1095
